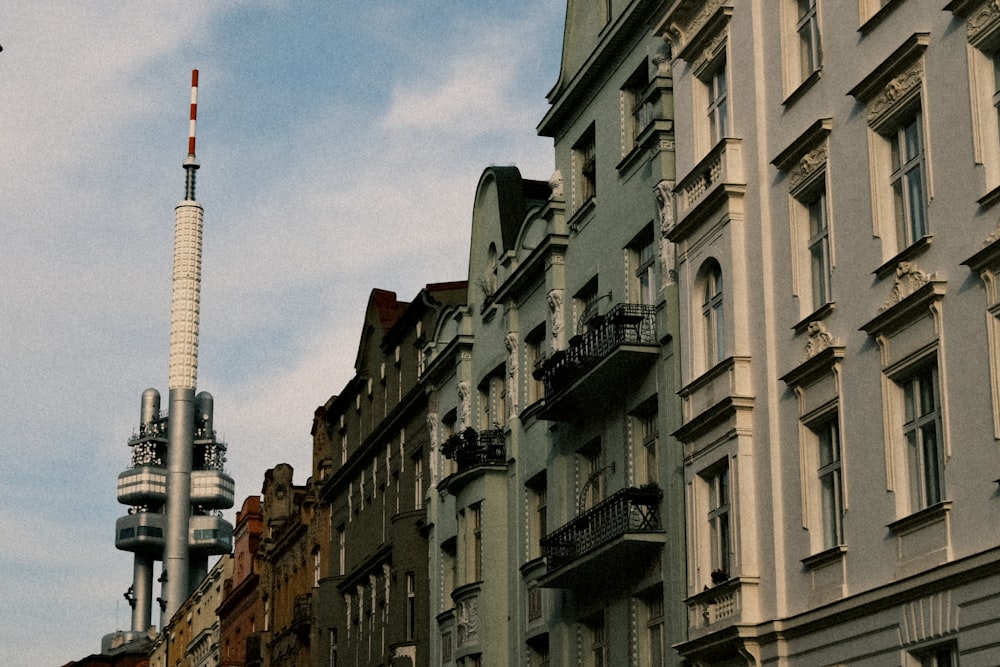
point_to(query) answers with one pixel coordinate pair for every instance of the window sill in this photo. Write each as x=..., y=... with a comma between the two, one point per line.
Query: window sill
x=990, y=198
x=817, y=315
x=801, y=89
x=583, y=215
x=915, y=249
x=921, y=518
x=825, y=557
x=875, y=19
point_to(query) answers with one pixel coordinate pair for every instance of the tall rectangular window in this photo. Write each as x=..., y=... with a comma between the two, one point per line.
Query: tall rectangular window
x=538, y=517
x=411, y=606
x=647, y=436
x=585, y=157
x=718, y=102
x=907, y=177
x=642, y=260
x=807, y=27
x=341, y=550
x=719, y=529
x=598, y=644
x=922, y=431
x=655, y=636
x=418, y=480
x=830, y=485
x=534, y=356
x=636, y=104
x=713, y=314
x=819, y=249
x=476, y=518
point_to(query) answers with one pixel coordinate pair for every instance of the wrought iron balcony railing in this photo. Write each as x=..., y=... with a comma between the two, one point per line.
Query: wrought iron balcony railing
x=629, y=510
x=626, y=323
x=471, y=448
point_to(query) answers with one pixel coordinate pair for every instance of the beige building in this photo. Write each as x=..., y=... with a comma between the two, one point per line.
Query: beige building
x=191, y=638
x=838, y=165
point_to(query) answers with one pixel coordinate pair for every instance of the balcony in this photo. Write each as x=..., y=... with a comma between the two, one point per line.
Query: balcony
x=474, y=449
x=710, y=184
x=615, y=347
x=608, y=543
x=210, y=533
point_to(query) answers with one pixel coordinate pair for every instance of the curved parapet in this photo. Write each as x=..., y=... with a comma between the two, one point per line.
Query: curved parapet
x=144, y=485
x=142, y=531
x=212, y=489
x=210, y=534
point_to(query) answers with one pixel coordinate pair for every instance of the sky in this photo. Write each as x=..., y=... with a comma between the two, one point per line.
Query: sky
x=340, y=146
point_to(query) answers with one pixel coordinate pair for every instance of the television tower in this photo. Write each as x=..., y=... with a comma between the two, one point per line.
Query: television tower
x=176, y=485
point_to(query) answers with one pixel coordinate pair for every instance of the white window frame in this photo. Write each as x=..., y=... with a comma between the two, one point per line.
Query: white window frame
x=719, y=496
x=908, y=179
x=713, y=313
x=923, y=434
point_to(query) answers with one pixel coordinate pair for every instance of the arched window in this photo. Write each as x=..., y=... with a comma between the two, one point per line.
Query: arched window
x=714, y=331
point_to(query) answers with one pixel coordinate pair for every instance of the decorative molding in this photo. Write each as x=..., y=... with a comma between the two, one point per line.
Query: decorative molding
x=557, y=332
x=510, y=342
x=909, y=279
x=819, y=339
x=810, y=164
x=984, y=21
x=899, y=90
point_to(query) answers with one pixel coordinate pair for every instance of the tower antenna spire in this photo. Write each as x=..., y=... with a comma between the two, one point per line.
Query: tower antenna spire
x=191, y=163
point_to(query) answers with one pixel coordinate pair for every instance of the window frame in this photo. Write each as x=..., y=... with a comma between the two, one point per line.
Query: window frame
x=713, y=313
x=925, y=463
x=585, y=167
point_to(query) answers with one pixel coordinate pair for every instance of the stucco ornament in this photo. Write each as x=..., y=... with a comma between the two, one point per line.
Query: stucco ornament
x=556, y=184
x=664, y=194
x=510, y=342
x=908, y=280
x=465, y=405
x=558, y=335
x=819, y=339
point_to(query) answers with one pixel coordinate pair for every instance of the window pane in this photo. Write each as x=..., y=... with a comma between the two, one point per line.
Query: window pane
x=915, y=187
x=932, y=473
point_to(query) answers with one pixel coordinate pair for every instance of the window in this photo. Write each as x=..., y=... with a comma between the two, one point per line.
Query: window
x=936, y=656
x=718, y=101
x=922, y=433
x=591, y=476
x=341, y=550
x=642, y=261
x=818, y=245
x=719, y=529
x=656, y=648
x=637, y=105
x=713, y=315
x=807, y=28
x=598, y=642
x=538, y=508
x=493, y=400
x=647, y=437
x=317, y=564
x=584, y=155
x=411, y=606
x=906, y=149
x=418, y=480
x=476, y=547
x=534, y=356
x=586, y=306
x=831, y=502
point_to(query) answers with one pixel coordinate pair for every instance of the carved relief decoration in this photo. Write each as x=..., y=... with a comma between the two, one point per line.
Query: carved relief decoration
x=465, y=405
x=985, y=19
x=664, y=194
x=558, y=333
x=510, y=342
x=809, y=164
x=556, y=184
x=819, y=339
x=908, y=280
x=899, y=88
x=467, y=621
x=684, y=32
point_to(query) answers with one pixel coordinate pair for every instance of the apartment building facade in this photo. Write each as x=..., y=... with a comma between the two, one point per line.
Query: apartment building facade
x=373, y=594
x=835, y=240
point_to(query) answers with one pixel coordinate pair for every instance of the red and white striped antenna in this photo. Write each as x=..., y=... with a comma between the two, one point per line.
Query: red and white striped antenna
x=191, y=163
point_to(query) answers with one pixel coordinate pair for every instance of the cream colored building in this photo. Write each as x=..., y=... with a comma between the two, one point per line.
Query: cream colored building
x=836, y=242
x=191, y=639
